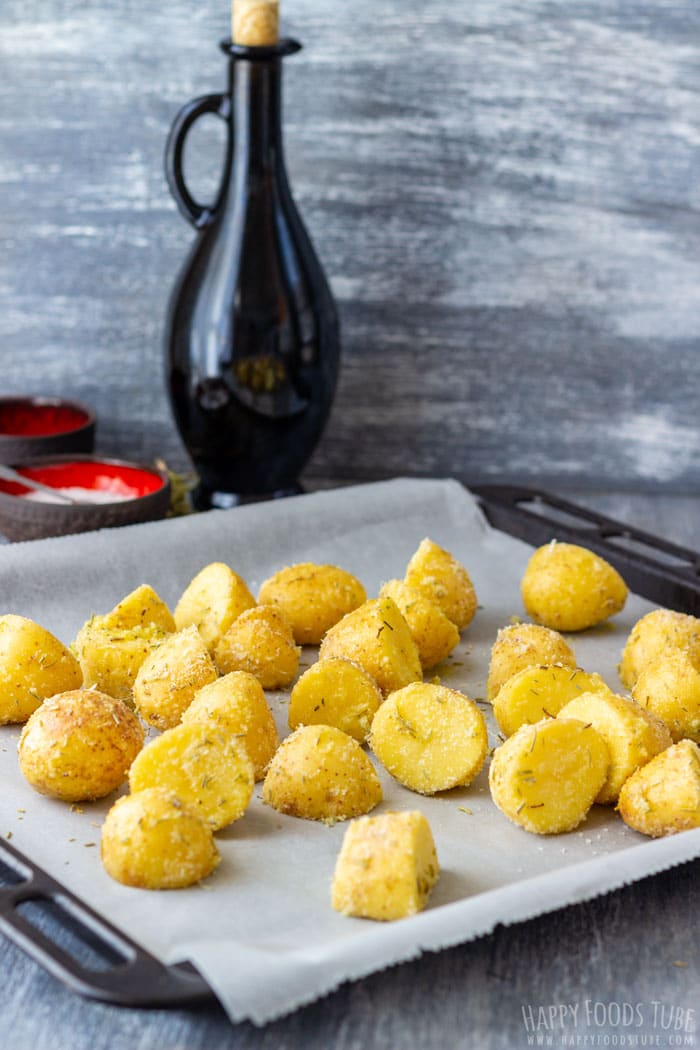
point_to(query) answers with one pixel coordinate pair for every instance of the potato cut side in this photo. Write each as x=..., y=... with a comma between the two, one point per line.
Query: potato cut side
x=569, y=588
x=152, y=841
x=78, y=745
x=110, y=657
x=670, y=689
x=377, y=637
x=524, y=645
x=33, y=666
x=546, y=777
x=321, y=773
x=434, y=634
x=633, y=737
x=141, y=608
x=540, y=691
x=338, y=693
x=386, y=867
x=652, y=636
x=170, y=676
x=204, y=767
x=212, y=601
x=439, y=576
x=236, y=705
x=430, y=738
x=663, y=797
x=313, y=598
x=260, y=642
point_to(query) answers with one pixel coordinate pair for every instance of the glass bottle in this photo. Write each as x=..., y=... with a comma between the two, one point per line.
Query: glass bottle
x=252, y=335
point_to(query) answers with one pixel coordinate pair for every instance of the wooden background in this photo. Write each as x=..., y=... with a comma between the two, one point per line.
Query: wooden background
x=505, y=194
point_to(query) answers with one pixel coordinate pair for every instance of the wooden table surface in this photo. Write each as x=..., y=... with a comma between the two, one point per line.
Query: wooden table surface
x=636, y=946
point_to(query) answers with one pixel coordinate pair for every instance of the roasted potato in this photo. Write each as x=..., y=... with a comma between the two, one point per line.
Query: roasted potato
x=78, y=745
x=260, y=642
x=386, y=867
x=206, y=768
x=170, y=676
x=377, y=637
x=152, y=841
x=236, y=704
x=430, y=738
x=338, y=693
x=435, y=636
x=546, y=776
x=652, y=636
x=569, y=588
x=321, y=773
x=212, y=601
x=524, y=645
x=540, y=691
x=670, y=688
x=141, y=608
x=633, y=736
x=110, y=657
x=436, y=574
x=313, y=598
x=33, y=666
x=663, y=797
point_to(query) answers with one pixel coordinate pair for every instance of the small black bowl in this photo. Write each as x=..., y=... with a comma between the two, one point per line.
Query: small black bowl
x=42, y=426
x=139, y=493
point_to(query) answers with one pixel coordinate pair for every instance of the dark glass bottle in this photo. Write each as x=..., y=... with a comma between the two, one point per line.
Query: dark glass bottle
x=252, y=337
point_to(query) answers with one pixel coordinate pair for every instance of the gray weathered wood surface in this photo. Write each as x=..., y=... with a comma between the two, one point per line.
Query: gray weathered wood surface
x=505, y=195
x=638, y=945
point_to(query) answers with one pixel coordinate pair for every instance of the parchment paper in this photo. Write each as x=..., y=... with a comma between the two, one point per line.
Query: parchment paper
x=262, y=930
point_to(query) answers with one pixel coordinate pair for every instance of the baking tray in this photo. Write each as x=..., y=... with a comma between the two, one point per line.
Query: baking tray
x=95, y=959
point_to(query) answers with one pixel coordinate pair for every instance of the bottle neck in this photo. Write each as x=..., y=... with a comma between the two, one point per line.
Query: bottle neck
x=256, y=98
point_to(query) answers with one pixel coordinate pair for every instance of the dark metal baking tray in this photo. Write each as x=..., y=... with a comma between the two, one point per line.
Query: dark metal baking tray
x=95, y=959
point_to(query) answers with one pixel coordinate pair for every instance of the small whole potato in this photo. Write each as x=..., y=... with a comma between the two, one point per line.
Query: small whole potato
x=33, y=666
x=522, y=645
x=652, y=636
x=151, y=840
x=376, y=637
x=321, y=773
x=434, y=634
x=669, y=688
x=260, y=641
x=335, y=692
x=430, y=738
x=79, y=745
x=312, y=597
x=236, y=704
x=170, y=676
x=546, y=777
x=439, y=576
x=663, y=797
x=212, y=601
x=569, y=588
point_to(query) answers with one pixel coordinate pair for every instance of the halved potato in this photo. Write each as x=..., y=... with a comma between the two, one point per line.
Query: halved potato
x=376, y=637
x=652, y=636
x=33, y=666
x=321, y=773
x=524, y=645
x=312, y=597
x=141, y=608
x=152, y=841
x=430, y=738
x=434, y=634
x=338, y=693
x=205, y=768
x=386, y=867
x=540, y=691
x=260, y=641
x=669, y=687
x=569, y=588
x=110, y=657
x=170, y=676
x=212, y=601
x=546, y=777
x=663, y=797
x=436, y=573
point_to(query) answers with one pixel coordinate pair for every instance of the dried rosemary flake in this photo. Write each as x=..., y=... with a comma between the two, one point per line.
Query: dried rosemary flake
x=466, y=809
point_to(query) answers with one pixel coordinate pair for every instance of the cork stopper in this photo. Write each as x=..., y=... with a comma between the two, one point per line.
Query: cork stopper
x=255, y=23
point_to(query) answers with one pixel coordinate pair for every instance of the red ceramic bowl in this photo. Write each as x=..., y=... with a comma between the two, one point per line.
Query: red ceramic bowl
x=127, y=493
x=41, y=426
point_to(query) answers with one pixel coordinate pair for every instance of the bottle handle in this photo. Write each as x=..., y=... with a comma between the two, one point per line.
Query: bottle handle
x=199, y=215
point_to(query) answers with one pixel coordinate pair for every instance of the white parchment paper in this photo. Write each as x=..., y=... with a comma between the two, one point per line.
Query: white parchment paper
x=262, y=930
